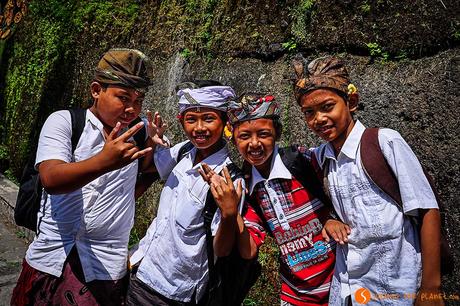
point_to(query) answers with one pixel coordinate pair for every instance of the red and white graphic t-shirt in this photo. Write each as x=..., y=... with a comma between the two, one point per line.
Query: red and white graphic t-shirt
x=295, y=218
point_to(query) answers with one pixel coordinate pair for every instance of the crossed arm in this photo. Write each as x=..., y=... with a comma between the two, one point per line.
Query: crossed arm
x=58, y=176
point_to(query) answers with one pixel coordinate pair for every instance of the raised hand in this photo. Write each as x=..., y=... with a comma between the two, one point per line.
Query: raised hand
x=119, y=151
x=156, y=128
x=223, y=190
x=337, y=230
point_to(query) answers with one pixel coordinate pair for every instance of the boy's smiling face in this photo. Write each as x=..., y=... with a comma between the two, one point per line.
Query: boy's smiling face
x=329, y=115
x=203, y=127
x=255, y=140
x=116, y=104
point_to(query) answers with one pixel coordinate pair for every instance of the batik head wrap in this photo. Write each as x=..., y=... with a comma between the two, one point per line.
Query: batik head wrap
x=216, y=97
x=125, y=67
x=324, y=72
x=253, y=106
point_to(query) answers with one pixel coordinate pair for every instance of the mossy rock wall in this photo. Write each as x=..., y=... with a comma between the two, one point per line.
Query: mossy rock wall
x=403, y=56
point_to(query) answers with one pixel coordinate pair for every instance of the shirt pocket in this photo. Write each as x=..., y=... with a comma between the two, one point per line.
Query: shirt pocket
x=189, y=220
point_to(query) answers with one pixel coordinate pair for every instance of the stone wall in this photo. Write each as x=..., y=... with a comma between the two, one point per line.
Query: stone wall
x=404, y=57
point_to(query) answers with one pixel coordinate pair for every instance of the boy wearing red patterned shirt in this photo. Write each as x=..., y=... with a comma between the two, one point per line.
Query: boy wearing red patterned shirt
x=281, y=205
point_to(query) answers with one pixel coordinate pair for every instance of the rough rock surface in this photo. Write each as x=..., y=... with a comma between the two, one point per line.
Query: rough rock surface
x=403, y=56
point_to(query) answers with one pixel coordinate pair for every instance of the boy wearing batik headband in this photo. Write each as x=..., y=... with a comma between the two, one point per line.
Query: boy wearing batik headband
x=385, y=254
x=87, y=209
x=284, y=201
x=172, y=257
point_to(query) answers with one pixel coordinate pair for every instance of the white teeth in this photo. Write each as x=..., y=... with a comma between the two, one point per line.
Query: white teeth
x=256, y=153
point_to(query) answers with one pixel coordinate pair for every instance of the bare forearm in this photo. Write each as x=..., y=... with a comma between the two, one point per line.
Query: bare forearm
x=59, y=177
x=225, y=236
x=430, y=237
x=246, y=245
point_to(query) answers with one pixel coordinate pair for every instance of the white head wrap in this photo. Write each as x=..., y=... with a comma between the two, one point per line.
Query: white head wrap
x=216, y=97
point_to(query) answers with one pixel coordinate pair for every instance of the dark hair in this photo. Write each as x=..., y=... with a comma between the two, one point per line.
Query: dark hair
x=224, y=117
x=278, y=127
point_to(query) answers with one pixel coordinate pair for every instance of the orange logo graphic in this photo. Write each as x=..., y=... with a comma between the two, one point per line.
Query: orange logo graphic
x=362, y=296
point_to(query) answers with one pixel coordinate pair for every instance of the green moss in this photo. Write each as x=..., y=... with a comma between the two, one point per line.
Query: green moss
x=36, y=65
x=290, y=46
x=25, y=79
x=98, y=14
x=456, y=35
x=365, y=7
x=193, y=23
x=377, y=52
x=301, y=16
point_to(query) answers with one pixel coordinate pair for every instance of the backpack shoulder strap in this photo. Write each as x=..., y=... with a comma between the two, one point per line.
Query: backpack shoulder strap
x=304, y=171
x=376, y=166
x=210, y=209
x=78, y=118
x=187, y=147
x=377, y=169
x=315, y=164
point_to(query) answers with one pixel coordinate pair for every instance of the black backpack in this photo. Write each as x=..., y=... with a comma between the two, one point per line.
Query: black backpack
x=30, y=187
x=231, y=277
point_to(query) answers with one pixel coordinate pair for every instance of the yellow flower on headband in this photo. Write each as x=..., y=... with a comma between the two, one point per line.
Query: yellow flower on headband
x=227, y=133
x=352, y=89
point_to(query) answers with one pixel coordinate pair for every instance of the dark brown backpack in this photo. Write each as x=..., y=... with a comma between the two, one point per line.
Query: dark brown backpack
x=380, y=173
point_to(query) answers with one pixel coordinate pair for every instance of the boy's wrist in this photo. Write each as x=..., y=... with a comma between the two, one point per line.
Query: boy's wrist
x=101, y=163
x=229, y=215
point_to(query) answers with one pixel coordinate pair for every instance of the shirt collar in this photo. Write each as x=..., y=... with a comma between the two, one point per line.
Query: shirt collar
x=94, y=120
x=215, y=161
x=349, y=149
x=277, y=171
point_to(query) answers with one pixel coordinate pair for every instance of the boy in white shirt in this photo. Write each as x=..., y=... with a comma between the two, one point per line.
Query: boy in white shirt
x=87, y=208
x=386, y=254
x=171, y=265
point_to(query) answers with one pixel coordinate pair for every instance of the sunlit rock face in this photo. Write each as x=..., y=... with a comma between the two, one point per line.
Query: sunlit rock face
x=403, y=57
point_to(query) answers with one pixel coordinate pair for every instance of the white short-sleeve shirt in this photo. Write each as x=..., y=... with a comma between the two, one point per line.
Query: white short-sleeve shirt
x=96, y=218
x=173, y=252
x=383, y=251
